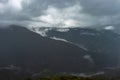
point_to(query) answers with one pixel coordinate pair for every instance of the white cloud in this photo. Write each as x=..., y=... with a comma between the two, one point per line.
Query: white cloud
x=10, y=6
x=16, y=4
x=88, y=57
x=109, y=28
x=70, y=16
x=61, y=17
x=63, y=14
x=59, y=39
x=63, y=29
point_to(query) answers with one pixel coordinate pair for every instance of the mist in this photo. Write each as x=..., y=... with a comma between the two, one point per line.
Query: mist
x=63, y=14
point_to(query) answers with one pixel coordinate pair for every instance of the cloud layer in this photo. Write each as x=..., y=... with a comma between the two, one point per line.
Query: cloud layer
x=59, y=13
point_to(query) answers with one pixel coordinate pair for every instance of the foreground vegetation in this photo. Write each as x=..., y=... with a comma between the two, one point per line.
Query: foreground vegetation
x=74, y=78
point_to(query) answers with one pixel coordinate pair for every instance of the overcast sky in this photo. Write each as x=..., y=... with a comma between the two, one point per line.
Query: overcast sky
x=61, y=13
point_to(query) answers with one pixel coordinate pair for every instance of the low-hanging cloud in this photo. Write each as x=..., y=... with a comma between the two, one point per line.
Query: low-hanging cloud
x=61, y=17
x=58, y=13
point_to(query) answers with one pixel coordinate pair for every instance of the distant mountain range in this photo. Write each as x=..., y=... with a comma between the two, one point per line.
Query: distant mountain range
x=24, y=52
x=104, y=45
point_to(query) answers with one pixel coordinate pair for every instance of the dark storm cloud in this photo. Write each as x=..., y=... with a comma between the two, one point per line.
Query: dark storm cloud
x=101, y=7
x=37, y=6
x=24, y=10
x=67, y=13
x=106, y=12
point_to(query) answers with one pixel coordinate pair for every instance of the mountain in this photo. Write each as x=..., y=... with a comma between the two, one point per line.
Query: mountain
x=32, y=53
x=104, y=45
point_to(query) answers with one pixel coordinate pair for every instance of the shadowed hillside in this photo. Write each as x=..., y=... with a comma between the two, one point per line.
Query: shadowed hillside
x=32, y=53
x=104, y=44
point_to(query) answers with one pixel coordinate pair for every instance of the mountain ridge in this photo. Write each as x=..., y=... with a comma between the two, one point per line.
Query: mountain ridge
x=104, y=43
x=33, y=53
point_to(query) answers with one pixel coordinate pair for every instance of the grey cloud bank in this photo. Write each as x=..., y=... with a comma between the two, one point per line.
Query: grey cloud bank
x=59, y=13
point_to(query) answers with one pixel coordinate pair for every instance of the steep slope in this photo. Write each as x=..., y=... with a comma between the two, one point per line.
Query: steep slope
x=33, y=53
x=104, y=44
